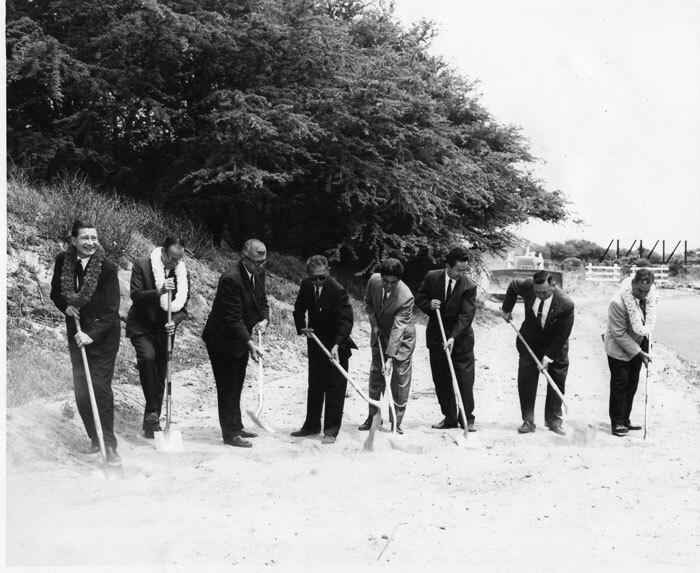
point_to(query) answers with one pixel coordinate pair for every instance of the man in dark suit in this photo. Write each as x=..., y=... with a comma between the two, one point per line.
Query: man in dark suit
x=549, y=318
x=85, y=285
x=327, y=306
x=147, y=323
x=239, y=310
x=450, y=291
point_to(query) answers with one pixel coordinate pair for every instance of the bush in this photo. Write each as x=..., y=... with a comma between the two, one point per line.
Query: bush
x=572, y=264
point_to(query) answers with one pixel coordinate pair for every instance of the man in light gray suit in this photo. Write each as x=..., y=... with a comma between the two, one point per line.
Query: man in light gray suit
x=389, y=305
x=631, y=321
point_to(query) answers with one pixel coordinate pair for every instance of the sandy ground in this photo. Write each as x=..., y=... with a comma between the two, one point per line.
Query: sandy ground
x=500, y=501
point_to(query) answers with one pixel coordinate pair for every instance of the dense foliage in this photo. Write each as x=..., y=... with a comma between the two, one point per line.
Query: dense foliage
x=317, y=125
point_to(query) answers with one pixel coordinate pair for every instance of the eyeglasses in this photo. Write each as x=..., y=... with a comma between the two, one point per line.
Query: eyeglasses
x=318, y=278
x=256, y=263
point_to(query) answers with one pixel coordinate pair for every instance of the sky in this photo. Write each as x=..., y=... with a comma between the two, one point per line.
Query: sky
x=606, y=92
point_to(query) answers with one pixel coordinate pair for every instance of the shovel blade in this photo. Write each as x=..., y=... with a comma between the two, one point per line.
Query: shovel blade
x=258, y=422
x=168, y=441
x=376, y=422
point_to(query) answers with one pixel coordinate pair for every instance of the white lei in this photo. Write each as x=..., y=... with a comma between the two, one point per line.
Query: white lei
x=640, y=326
x=182, y=290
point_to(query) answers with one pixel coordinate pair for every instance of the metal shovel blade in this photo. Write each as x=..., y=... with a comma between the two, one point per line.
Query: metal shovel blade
x=258, y=422
x=376, y=422
x=168, y=440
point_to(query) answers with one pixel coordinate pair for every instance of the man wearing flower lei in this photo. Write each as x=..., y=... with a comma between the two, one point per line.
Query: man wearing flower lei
x=85, y=285
x=631, y=321
x=147, y=323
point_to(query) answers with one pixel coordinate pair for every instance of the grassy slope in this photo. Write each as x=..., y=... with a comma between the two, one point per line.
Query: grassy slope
x=38, y=215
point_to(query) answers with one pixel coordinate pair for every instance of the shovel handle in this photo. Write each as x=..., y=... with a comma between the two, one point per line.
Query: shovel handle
x=261, y=386
x=93, y=401
x=453, y=374
x=387, y=383
x=540, y=367
x=344, y=372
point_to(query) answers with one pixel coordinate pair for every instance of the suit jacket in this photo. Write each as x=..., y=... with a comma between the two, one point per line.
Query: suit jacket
x=457, y=312
x=99, y=317
x=331, y=318
x=553, y=339
x=236, y=310
x=394, y=318
x=146, y=315
x=621, y=342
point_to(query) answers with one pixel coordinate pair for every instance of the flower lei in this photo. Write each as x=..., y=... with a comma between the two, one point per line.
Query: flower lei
x=92, y=274
x=640, y=326
x=181, y=285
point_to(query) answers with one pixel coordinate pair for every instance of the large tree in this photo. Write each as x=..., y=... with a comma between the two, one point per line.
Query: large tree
x=315, y=124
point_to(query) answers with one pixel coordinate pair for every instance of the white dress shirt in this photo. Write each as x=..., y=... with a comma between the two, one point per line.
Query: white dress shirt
x=545, y=308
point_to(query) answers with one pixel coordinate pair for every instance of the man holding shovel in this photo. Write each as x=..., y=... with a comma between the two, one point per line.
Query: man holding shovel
x=631, y=321
x=451, y=293
x=389, y=305
x=153, y=279
x=549, y=318
x=240, y=309
x=325, y=302
x=85, y=287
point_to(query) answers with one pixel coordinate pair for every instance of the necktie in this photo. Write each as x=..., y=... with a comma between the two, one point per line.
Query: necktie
x=643, y=306
x=78, y=274
x=385, y=297
x=539, y=312
x=317, y=293
x=449, y=290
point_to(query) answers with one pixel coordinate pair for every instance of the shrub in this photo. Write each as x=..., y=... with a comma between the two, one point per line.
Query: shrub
x=572, y=264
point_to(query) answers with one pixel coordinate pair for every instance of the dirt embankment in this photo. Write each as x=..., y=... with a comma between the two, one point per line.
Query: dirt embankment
x=499, y=502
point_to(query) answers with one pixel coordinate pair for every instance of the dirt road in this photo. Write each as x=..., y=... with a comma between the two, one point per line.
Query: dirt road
x=503, y=502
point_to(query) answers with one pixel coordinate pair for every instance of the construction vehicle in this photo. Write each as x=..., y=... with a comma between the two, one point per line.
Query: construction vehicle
x=518, y=267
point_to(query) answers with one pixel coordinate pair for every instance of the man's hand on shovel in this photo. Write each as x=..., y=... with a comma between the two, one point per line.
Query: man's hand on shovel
x=82, y=339
x=170, y=328
x=255, y=352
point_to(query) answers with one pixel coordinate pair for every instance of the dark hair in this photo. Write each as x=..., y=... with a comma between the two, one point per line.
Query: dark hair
x=457, y=254
x=645, y=276
x=541, y=277
x=78, y=224
x=316, y=261
x=173, y=240
x=392, y=268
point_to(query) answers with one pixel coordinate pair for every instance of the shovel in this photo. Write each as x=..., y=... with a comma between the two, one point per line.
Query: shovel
x=646, y=398
x=169, y=440
x=107, y=469
x=255, y=416
x=582, y=432
x=455, y=386
x=388, y=391
x=376, y=403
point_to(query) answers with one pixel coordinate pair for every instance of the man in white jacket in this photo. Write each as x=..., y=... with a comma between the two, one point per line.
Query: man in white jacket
x=631, y=320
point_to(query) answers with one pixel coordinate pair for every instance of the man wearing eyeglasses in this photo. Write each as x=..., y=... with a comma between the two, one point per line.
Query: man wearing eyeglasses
x=325, y=302
x=147, y=323
x=239, y=310
x=449, y=290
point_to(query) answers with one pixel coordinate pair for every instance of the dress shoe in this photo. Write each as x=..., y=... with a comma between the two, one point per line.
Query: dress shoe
x=631, y=426
x=246, y=434
x=328, y=440
x=619, y=430
x=94, y=446
x=398, y=429
x=238, y=442
x=303, y=433
x=444, y=425
x=151, y=424
x=367, y=424
x=471, y=427
x=557, y=429
x=113, y=458
x=527, y=428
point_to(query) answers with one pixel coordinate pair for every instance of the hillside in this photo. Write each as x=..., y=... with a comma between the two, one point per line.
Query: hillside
x=501, y=501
